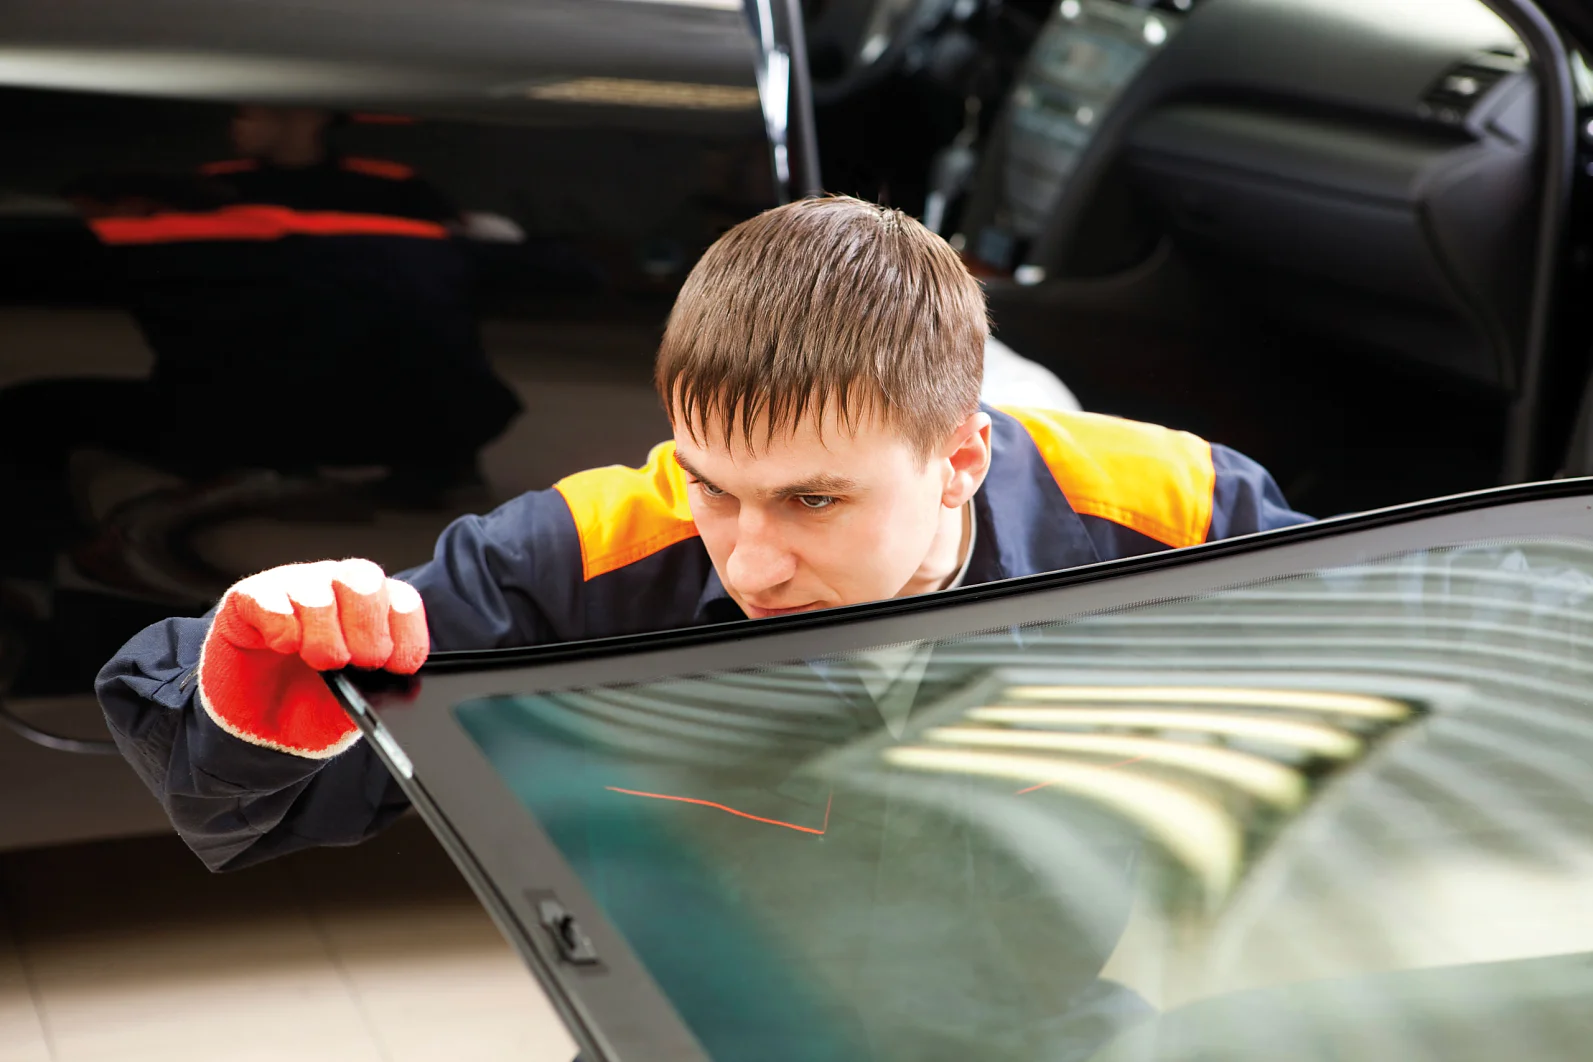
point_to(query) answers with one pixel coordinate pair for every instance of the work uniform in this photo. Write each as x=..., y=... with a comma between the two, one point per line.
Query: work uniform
x=312, y=283
x=614, y=551
x=266, y=296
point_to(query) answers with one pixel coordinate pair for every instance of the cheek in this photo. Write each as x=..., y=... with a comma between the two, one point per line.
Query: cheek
x=718, y=533
x=881, y=545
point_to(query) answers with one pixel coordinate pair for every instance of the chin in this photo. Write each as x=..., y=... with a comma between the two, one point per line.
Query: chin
x=754, y=612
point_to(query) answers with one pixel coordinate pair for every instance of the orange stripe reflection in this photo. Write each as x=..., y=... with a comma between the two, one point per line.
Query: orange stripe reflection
x=740, y=814
x=257, y=223
x=393, y=171
x=1042, y=785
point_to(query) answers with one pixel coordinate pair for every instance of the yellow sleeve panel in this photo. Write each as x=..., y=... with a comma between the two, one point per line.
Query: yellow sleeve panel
x=625, y=514
x=1147, y=478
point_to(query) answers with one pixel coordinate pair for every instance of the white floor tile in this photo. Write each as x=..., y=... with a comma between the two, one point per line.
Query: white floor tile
x=21, y=1033
x=378, y=953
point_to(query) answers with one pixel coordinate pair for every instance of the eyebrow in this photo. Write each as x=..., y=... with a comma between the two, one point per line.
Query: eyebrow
x=685, y=466
x=823, y=484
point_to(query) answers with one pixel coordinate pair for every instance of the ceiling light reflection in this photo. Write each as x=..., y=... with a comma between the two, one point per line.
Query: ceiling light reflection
x=1258, y=777
x=1310, y=737
x=1356, y=704
x=1193, y=828
x=632, y=92
x=720, y=5
x=266, y=79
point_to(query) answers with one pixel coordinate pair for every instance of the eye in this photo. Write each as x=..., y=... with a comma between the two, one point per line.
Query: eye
x=816, y=501
x=708, y=488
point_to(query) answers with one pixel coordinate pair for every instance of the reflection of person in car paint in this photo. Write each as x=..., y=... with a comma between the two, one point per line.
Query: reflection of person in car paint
x=268, y=287
x=822, y=370
x=339, y=272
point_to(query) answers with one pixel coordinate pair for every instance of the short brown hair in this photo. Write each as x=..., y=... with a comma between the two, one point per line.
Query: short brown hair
x=826, y=300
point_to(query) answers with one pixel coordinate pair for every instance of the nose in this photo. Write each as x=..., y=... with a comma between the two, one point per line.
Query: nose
x=760, y=561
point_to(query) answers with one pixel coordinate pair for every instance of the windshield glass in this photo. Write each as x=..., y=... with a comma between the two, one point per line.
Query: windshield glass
x=1341, y=815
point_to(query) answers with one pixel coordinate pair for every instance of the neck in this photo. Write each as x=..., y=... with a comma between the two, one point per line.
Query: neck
x=946, y=554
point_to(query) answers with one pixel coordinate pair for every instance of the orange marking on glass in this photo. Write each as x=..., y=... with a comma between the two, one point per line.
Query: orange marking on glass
x=721, y=807
x=1042, y=785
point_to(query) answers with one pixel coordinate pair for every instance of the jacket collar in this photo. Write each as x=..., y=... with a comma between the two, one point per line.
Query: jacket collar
x=714, y=604
x=1026, y=525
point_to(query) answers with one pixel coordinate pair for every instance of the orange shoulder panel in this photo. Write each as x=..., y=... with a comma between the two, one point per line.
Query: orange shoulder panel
x=217, y=169
x=1152, y=479
x=625, y=514
x=392, y=171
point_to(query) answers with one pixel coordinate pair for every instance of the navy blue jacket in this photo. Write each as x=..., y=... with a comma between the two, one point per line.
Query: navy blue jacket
x=614, y=551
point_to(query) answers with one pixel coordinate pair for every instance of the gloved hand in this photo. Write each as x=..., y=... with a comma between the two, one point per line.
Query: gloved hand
x=259, y=669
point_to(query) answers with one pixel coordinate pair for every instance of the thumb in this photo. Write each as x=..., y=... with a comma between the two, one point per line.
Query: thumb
x=256, y=613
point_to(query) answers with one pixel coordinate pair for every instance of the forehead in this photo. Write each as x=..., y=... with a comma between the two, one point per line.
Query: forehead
x=816, y=444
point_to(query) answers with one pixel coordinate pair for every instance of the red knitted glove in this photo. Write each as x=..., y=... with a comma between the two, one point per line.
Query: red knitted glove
x=276, y=631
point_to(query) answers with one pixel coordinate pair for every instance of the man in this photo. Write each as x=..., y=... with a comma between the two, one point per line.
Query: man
x=279, y=280
x=326, y=272
x=821, y=369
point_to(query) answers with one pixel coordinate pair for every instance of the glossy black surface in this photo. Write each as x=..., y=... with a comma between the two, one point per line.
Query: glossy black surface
x=493, y=219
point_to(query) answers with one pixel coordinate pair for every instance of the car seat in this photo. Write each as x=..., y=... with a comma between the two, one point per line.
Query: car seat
x=1013, y=380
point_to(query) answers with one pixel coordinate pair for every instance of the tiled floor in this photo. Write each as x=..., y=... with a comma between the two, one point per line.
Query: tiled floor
x=130, y=950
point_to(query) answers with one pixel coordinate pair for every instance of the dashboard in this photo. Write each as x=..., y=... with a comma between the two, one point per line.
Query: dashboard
x=1370, y=164
x=1086, y=55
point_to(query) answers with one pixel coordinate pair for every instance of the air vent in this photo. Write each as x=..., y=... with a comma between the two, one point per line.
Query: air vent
x=1517, y=51
x=1451, y=99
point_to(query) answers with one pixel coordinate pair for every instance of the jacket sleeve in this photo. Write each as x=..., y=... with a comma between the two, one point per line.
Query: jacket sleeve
x=234, y=803
x=1245, y=499
x=497, y=580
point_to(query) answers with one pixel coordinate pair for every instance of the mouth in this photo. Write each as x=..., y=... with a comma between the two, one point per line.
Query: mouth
x=754, y=612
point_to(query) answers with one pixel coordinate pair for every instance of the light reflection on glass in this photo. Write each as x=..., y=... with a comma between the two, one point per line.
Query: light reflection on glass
x=1312, y=737
x=1194, y=828
x=1229, y=697
x=1257, y=777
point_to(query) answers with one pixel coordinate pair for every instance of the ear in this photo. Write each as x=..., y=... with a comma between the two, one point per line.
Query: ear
x=967, y=457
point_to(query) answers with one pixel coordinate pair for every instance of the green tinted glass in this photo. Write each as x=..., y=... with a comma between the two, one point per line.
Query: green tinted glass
x=1345, y=815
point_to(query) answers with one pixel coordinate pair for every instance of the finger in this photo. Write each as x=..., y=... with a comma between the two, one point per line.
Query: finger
x=321, y=642
x=406, y=616
x=360, y=589
x=256, y=614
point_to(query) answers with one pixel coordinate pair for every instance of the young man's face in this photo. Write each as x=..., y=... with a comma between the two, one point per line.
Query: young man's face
x=824, y=517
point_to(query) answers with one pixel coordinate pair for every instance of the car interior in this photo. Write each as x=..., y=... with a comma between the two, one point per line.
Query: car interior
x=1320, y=232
